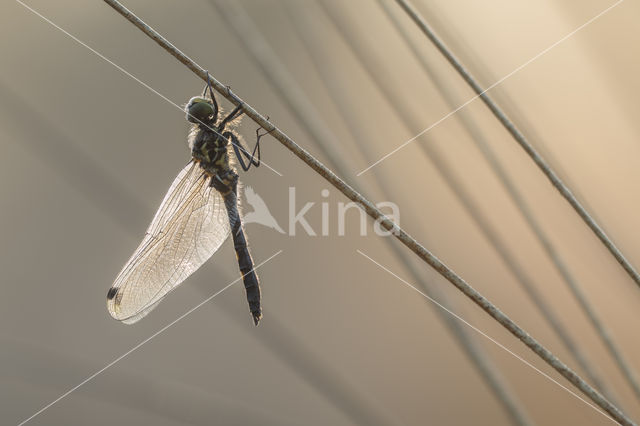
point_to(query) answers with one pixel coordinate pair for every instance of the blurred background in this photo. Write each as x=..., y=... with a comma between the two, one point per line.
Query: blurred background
x=88, y=153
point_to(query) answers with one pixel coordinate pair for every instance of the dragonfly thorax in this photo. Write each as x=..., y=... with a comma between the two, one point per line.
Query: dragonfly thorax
x=210, y=149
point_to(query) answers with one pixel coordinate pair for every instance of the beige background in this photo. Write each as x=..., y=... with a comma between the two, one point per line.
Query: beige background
x=87, y=154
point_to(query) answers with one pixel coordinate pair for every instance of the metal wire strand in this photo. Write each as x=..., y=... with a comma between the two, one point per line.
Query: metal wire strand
x=411, y=121
x=385, y=222
x=546, y=168
x=574, y=286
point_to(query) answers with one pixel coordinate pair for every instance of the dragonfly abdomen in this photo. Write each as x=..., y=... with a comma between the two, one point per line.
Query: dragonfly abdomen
x=245, y=262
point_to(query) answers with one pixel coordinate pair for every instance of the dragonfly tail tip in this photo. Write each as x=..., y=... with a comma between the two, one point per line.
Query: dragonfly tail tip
x=256, y=318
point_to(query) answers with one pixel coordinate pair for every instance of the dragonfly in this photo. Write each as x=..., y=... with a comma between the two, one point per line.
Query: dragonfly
x=195, y=217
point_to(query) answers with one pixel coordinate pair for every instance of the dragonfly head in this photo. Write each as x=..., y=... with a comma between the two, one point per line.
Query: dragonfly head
x=200, y=110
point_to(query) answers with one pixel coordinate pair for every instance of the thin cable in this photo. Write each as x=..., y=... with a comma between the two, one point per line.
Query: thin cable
x=376, y=214
x=500, y=345
x=537, y=56
x=409, y=118
x=574, y=286
x=517, y=134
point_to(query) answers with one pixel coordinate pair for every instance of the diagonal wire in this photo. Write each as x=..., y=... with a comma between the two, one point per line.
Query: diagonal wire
x=519, y=136
x=477, y=330
x=476, y=135
x=410, y=120
x=375, y=213
x=338, y=94
x=502, y=79
x=263, y=56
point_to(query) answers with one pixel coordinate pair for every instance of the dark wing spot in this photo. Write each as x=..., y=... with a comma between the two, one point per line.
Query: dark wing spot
x=112, y=293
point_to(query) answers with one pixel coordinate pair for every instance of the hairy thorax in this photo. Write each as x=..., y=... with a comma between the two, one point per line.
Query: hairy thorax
x=210, y=150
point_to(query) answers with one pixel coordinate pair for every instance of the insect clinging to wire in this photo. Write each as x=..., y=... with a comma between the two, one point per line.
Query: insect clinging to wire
x=190, y=224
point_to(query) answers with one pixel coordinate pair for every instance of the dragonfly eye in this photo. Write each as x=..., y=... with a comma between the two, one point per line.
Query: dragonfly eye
x=198, y=110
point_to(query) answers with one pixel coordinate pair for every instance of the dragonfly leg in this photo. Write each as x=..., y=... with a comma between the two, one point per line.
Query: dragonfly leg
x=253, y=158
x=213, y=98
x=261, y=135
x=237, y=112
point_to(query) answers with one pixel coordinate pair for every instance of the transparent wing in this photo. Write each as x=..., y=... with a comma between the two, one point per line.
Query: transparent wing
x=190, y=225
